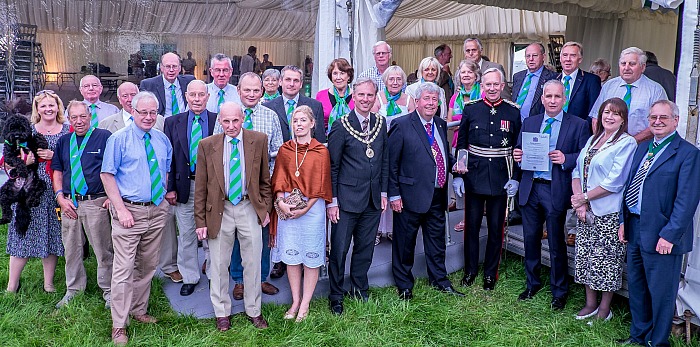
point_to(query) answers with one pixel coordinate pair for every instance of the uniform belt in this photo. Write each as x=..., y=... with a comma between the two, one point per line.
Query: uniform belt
x=147, y=203
x=79, y=197
x=490, y=152
x=244, y=197
x=541, y=180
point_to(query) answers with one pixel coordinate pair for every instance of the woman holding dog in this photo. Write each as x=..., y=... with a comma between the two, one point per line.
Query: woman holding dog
x=43, y=237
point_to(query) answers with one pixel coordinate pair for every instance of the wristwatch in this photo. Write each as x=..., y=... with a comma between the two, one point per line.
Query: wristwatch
x=585, y=196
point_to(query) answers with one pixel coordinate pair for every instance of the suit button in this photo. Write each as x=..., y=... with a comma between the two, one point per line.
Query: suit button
x=490, y=146
x=489, y=159
x=490, y=134
x=491, y=122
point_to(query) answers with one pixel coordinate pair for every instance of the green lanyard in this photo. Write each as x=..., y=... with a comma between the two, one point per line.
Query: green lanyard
x=653, y=150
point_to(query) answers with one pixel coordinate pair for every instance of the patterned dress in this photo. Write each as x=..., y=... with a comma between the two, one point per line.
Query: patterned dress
x=599, y=253
x=43, y=237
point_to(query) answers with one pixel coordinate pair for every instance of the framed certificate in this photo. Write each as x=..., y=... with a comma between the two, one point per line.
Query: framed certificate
x=535, y=152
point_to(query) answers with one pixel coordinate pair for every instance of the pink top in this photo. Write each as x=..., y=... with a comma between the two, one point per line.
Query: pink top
x=324, y=97
x=454, y=118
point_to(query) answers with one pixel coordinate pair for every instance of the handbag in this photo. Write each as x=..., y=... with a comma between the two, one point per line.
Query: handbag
x=294, y=198
x=571, y=218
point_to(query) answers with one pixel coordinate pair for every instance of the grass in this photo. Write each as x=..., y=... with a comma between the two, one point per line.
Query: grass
x=430, y=319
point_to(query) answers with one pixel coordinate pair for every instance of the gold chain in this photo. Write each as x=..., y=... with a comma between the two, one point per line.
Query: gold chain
x=360, y=135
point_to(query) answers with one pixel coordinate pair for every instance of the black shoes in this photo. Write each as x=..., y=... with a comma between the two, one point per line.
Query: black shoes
x=278, y=270
x=405, y=294
x=528, y=294
x=187, y=289
x=450, y=290
x=489, y=283
x=559, y=303
x=468, y=280
x=336, y=307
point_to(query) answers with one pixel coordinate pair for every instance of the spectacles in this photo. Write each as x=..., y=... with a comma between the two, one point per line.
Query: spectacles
x=147, y=113
x=662, y=118
x=171, y=67
x=218, y=71
x=45, y=91
x=381, y=53
x=94, y=86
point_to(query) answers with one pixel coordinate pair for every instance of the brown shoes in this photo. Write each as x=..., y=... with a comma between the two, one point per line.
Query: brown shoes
x=119, y=337
x=174, y=276
x=259, y=322
x=144, y=318
x=223, y=323
x=238, y=292
x=268, y=288
x=571, y=240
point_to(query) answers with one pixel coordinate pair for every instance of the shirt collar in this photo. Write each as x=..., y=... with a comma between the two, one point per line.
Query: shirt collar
x=423, y=121
x=239, y=137
x=635, y=83
x=558, y=117
x=98, y=103
x=126, y=116
x=361, y=118
x=167, y=84
x=296, y=100
x=537, y=72
x=214, y=88
x=190, y=114
x=664, y=138
x=573, y=75
x=138, y=131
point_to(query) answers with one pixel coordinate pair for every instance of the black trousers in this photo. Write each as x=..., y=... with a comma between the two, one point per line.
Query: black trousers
x=495, y=221
x=539, y=208
x=432, y=223
x=360, y=229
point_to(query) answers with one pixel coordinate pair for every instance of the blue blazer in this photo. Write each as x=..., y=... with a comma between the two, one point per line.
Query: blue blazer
x=176, y=130
x=155, y=86
x=584, y=94
x=573, y=135
x=411, y=162
x=277, y=105
x=670, y=196
x=519, y=79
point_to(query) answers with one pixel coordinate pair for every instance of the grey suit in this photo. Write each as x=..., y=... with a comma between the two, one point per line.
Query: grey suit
x=116, y=122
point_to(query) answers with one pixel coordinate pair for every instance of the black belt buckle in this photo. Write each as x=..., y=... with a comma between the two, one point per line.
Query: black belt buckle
x=541, y=180
x=191, y=176
x=147, y=203
x=79, y=197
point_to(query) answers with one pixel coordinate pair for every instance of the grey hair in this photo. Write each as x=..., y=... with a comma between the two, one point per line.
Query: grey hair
x=493, y=69
x=144, y=95
x=221, y=57
x=392, y=70
x=427, y=87
x=574, y=44
x=291, y=68
x=439, y=49
x=75, y=103
x=274, y=73
x=87, y=76
x=641, y=56
x=200, y=82
x=540, y=45
x=379, y=43
x=427, y=61
x=124, y=85
x=672, y=105
x=365, y=80
x=600, y=65
x=471, y=65
x=555, y=82
x=478, y=43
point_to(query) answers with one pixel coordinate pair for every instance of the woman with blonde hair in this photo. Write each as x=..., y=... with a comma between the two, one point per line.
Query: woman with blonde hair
x=429, y=72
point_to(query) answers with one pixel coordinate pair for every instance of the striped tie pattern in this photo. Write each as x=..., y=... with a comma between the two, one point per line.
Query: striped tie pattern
x=235, y=187
x=290, y=109
x=221, y=100
x=567, y=92
x=628, y=95
x=77, y=178
x=93, y=119
x=525, y=89
x=633, y=190
x=157, y=191
x=248, y=121
x=173, y=97
x=548, y=127
x=195, y=137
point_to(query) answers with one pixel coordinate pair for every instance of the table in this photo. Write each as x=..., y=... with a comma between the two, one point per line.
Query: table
x=61, y=77
x=111, y=83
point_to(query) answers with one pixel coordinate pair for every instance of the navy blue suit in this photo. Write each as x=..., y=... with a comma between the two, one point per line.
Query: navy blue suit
x=548, y=202
x=519, y=79
x=669, y=199
x=277, y=105
x=412, y=176
x=583, y=94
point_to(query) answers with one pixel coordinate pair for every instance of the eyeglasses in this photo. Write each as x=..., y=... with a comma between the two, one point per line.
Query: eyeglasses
x=94, y=86
x=147, y=113
x=381, y=53
x=662, y=118
x=171, y=67
x=45, y=91
x=218, y=71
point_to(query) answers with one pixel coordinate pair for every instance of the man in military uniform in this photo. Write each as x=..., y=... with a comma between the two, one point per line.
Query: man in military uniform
x=490, y=128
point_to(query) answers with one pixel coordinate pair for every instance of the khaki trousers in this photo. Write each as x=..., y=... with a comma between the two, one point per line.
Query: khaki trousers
x=240, y=219
x=94, y=220
x=136, y=253
x=187, y=257
x=168, y=244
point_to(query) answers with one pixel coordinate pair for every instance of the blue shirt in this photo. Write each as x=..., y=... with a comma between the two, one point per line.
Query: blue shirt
x=637, y=209
x=527, y=104
x=90, y=161
x=556, y=126
x=125, y=158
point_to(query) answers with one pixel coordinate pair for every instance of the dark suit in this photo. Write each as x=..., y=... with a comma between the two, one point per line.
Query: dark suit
x=277, y=105
x=663, y=77
x=357, y=183
x=547, y=202
x=519, y=79
x=179, y=176
x=669, y=199
x=413, y=178
x=583, y=94
x=155, y=86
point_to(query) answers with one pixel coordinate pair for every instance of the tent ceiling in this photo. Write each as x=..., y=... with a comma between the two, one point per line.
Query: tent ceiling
x=579, y=8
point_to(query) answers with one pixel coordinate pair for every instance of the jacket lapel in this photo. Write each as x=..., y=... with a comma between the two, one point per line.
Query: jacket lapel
x=563, y=131
x=667, y=154
x=183, y=89
x=422, y=134
x=249, y=152
x=182, y=134
x=577, y=84
x=218, y=158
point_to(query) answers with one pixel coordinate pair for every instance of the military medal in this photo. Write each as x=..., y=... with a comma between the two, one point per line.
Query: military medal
x=369, y=152
x=493, y=111
x=434, y=152
x=493, y=105
x=504, y=143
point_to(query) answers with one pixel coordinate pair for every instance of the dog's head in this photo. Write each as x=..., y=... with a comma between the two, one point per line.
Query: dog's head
x=17, y=130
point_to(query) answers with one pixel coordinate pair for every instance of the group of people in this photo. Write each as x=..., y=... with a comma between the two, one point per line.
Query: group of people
x=256, y=171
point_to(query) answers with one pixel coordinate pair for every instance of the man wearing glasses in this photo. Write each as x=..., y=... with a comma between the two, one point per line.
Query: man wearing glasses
x=139, y=210
x=170, y=87
x=382, y=59
x=123, y=118
x=91, y=89
x=220, y=90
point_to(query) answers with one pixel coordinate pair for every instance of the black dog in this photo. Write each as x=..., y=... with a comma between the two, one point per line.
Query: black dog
x=24, y=186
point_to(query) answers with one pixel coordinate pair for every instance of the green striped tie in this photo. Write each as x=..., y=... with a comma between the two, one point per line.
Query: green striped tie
x=235, y=188
x=525, y=89
x=248, y=121
x=195, y=136
x=290, y=110
x=628, y=95
x=175, y=107
x=93, y=112
x=567, y=92
x=77, y=178
x=221, y=100
x=157, y=191
x=548, y=126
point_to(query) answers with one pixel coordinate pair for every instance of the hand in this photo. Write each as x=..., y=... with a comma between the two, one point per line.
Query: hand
x=384, y=203
x=30, y=159
x=333, y=214
x=518, y=155
x=557, y=157
x=458, y=186
x=67, y=207
x=511, y=188
x=578, y=200
x=397, y=205
x=125, y=218
x=171, y=197
x=663, y=246
x=106, y=204
x=267, y=220
x=621, y=234
x=201, y=233
x=581, y=212
x=45, y=154
x=284, y=207
x=455, y=169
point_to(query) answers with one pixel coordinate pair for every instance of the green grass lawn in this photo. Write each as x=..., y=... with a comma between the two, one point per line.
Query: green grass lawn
x=430, y=319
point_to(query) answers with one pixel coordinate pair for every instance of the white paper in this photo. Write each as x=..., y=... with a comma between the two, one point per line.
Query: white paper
x=535, y=152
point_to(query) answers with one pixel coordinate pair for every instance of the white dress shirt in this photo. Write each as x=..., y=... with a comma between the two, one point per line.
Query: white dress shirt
x=227, y=157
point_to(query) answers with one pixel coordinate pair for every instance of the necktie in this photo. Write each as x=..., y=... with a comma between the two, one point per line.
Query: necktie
x=439, y=160
x=633, y=190
x=290, y=109
x=77, y=179
x=525, y=89
x=175, y=107
x=195, y=137
x=248, y=121
x=157, y=191
x=365, y=127
x=235, y=187
x=567, y=91
x=548, y=127
x=221, y=100
x=392, y=108
x=93, y=112
x=628, y=95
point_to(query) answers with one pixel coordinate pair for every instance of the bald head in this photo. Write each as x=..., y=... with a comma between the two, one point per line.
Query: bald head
x=125, y=94
x=231, y=118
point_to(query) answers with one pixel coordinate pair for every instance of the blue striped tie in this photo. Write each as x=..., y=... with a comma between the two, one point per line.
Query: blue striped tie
x=157, y=191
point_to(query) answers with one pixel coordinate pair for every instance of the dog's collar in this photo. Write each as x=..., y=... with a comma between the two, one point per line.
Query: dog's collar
x=20, y=144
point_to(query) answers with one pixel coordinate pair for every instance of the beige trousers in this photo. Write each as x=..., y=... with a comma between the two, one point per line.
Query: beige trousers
x=168, y=244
